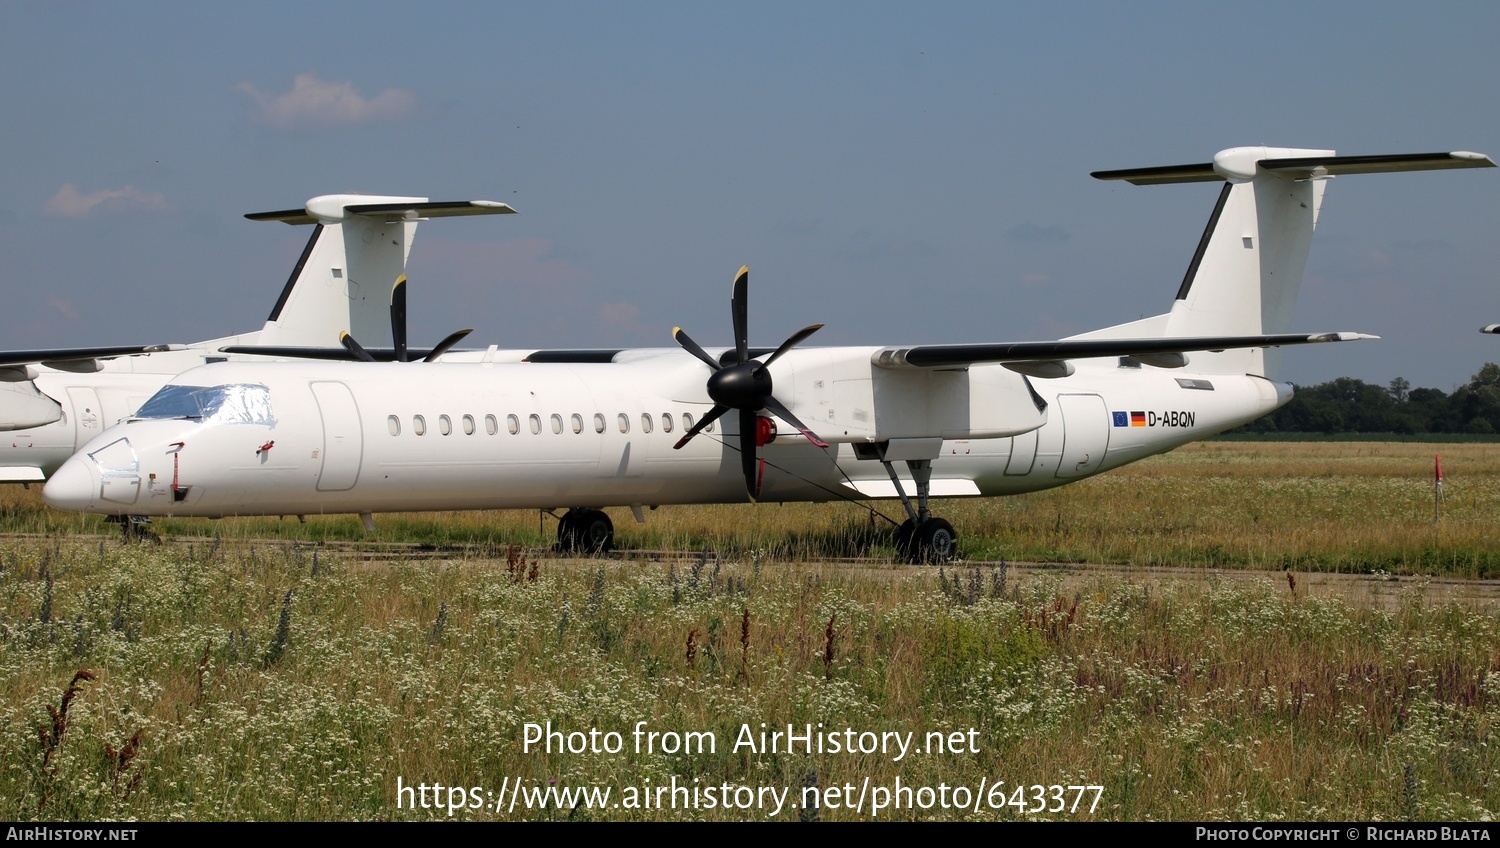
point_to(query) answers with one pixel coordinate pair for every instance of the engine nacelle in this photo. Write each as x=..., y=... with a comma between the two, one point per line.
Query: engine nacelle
x=23, y=406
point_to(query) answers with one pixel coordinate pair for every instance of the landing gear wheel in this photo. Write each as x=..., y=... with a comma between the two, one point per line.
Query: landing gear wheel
x=904, y=533
x=567, y=534
x=585, y=531
x=933, y=542
x=136, y=528
x=594, y=532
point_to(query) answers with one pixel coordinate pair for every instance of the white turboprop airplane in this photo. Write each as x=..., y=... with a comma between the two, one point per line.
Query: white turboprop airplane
x=53, y=401
x=588, y=429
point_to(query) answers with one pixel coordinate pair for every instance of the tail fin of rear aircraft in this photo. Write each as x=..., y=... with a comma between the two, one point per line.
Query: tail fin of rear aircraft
x=342, y=282
x=1246, y=273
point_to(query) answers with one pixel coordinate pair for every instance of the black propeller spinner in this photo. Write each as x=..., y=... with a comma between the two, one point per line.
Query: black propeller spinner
x=398, y=332
x=745, y=385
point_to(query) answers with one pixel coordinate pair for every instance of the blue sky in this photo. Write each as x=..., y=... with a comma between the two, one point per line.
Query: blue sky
x=901, y=174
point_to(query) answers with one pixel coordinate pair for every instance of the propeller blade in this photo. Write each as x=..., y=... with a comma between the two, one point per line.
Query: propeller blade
x=712, y=416
x=692, y=347
x=739, y=307
x=398, y=318
x=355, y=348
x=797, y=338
x=442, y=346
x=786, y=415
x=747, y=453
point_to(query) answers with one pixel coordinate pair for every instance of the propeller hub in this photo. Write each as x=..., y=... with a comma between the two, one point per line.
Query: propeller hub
x=743, y=386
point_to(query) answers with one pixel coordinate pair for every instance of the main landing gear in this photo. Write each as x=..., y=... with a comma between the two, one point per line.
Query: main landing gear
x=923, y=537
x=586, y=531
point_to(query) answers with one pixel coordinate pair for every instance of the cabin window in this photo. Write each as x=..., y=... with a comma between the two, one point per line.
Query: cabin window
x=536, y=423
x=491, y=426
x=687, y=420
x=419, y=425
x=513, y=424
x=445, y=425
x=556, y=423
x=624, y=423
x=468, y=425
x=598, y=422
x=666, y=422
x=645, y=422
x=577, y=423
x=709, y=427
x=393, y=424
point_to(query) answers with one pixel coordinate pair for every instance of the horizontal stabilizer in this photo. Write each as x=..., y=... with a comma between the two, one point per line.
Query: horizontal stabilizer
x=1239, y=164
x=948, y=356
x=334, y=208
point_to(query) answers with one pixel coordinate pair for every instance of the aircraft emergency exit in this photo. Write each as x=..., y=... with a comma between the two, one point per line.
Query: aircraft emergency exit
x=53, y=401
x=585, y=429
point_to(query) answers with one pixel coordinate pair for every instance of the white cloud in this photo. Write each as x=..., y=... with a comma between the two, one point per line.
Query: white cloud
x=68, y=203
x=312, y=102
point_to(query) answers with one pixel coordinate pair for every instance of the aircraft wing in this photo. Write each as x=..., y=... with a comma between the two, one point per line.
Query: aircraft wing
x=1049, y=359
x=379, y=354
x=83, y=359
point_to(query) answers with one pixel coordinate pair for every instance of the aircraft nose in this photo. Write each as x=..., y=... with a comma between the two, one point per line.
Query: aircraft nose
x=72, y=487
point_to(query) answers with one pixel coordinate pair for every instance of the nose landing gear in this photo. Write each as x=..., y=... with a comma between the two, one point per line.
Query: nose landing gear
x=134, y=528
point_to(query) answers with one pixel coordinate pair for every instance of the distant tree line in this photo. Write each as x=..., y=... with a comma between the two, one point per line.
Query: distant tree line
x=1347, y=405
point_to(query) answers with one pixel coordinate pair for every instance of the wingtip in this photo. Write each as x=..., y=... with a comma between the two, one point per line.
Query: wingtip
x=1341, y=337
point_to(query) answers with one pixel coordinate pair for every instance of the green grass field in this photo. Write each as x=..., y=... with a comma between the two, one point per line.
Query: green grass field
x=1318, y=506
x=241, y=670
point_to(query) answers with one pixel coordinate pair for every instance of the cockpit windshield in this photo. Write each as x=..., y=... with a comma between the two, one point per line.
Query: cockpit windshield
x=235, y=403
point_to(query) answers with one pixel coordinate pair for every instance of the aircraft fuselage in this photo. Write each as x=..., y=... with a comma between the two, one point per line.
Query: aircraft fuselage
x=331, y=437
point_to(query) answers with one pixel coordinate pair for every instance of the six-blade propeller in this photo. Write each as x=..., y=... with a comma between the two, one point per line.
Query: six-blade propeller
x=745, y=385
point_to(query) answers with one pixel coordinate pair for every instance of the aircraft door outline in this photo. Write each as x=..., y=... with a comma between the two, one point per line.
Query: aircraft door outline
x=343, y=436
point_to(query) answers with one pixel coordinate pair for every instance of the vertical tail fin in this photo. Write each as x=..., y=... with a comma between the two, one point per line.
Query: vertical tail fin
x=343, y=280
x=1246, y=274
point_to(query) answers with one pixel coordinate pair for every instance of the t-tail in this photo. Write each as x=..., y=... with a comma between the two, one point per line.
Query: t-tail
x=1245, y=275
x=342, y=282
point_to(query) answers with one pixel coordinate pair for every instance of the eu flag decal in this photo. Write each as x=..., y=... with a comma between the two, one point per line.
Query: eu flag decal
x=1122, y=419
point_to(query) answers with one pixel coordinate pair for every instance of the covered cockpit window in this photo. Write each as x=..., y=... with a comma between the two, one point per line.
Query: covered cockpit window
x=235, y=403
